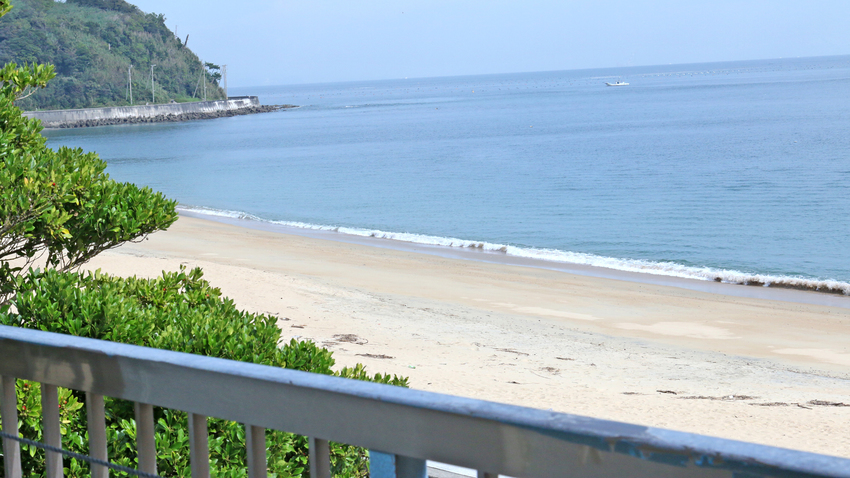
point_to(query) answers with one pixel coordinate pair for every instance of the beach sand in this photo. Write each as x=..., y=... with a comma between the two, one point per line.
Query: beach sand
x=734, y=367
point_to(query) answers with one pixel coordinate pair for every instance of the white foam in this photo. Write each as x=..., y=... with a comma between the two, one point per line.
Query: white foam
x=671, y=269
x=221, y=213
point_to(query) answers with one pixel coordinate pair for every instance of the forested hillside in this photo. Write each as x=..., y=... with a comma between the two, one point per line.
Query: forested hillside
x=92, y=43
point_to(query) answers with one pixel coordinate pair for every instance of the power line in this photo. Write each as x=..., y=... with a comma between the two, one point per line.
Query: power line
x=78, y=456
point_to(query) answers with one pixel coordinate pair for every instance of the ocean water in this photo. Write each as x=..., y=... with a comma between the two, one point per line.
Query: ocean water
x=737, y=172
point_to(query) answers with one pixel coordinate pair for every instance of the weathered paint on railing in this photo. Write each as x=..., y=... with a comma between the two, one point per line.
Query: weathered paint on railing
x=408, y=424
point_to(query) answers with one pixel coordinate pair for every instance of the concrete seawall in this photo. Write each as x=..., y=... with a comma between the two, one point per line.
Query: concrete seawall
x=143, y=113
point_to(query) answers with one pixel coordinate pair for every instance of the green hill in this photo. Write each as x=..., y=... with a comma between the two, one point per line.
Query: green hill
x=92, y=43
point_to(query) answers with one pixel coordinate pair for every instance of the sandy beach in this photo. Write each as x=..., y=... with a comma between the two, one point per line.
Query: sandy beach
x=766, y=371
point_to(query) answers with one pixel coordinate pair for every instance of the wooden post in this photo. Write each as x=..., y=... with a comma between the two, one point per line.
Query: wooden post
x=199, y=446
x=320, y=458
x=96, y=419
x=256, y=448
x=52, y=433
x=145, y=438
x=9, y=416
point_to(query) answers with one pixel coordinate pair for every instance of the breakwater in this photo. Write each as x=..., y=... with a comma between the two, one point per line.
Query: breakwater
x=77, y=118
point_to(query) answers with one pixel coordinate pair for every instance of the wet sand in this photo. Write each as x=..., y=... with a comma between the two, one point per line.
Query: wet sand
x=771, y=369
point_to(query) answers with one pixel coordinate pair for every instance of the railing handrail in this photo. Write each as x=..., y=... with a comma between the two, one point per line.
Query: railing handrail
x=490, y=436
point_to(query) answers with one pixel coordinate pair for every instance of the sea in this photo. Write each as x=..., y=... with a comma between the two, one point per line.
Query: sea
x=735, y=172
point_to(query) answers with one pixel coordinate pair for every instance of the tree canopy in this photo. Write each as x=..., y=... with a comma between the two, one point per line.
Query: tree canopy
x=92, y=44
x=59, y=208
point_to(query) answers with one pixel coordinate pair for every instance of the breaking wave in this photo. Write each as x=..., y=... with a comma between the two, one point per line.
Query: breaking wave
x=661, y=268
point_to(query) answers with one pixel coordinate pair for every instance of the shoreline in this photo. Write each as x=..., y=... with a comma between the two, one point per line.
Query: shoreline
x=759, y=370
x=782, y=292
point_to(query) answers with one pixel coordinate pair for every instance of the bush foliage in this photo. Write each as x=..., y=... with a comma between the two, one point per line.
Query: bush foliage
x=92, y=43
x=60, y=206
x=177, y=311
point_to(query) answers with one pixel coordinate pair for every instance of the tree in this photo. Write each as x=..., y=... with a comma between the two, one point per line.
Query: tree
x=92, y=43
x=214, y=71
x=59, y=207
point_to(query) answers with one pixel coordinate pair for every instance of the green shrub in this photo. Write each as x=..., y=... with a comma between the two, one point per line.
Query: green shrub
x=178, y=311
x=60, y=205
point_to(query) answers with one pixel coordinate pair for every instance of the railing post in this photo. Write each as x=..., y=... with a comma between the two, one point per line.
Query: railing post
x=386, y=465
x=256, y=448
x=9, y=416
x=52, y=433
x=145, y=438
x=407, y=467
x=97, y=433
x=199, y=446
x=320, y=458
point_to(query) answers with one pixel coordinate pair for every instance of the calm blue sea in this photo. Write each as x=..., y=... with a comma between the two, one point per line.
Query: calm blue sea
x=738, y=171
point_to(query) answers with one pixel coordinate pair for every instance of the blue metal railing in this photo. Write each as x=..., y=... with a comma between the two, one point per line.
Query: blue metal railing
x=403, y=427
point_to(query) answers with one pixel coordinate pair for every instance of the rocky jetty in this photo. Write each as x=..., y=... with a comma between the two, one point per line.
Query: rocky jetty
x=173, y=117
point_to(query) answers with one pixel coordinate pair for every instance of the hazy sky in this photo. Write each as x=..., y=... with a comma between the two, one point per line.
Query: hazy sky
x=269, y=42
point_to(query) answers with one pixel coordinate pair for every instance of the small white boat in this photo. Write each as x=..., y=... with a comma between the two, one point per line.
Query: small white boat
x=619, y=83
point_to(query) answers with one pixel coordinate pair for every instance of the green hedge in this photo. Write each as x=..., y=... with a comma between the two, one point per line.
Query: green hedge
x=178, y=311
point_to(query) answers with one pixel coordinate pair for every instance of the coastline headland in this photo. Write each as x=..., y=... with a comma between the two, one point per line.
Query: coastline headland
x=168, y=112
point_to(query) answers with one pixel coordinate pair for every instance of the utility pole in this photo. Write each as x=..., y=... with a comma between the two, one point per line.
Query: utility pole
x=204, y=75
x=153, y=92
x=224, y=74
x=130, y=82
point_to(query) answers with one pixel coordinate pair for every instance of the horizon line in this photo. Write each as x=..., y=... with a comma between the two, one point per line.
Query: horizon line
x=541, y=71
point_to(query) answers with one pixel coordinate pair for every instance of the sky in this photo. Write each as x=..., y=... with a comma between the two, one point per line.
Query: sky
x=278, y=42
